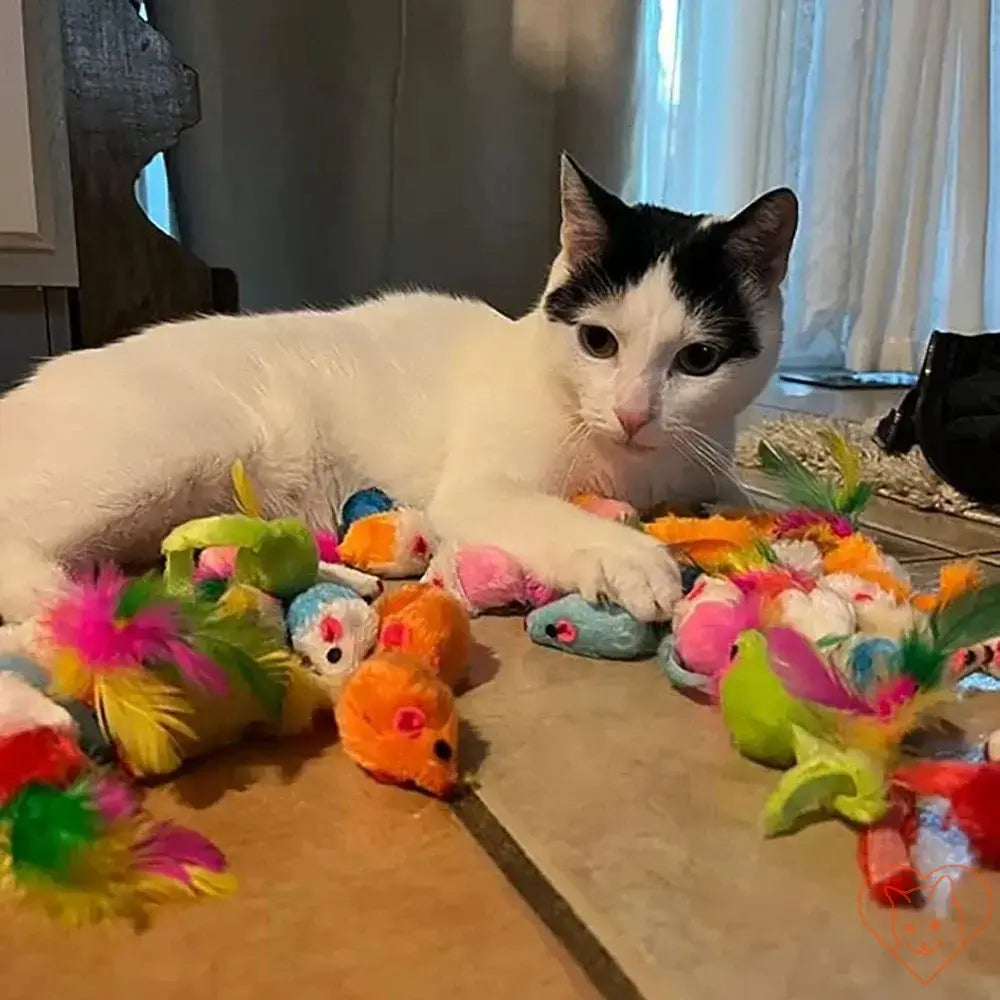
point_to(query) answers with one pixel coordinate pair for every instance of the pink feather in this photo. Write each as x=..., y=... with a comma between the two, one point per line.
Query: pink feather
x=114, y=799
x=795, y=520
x=891, y=694
x=86, y=621
x=195, y=667
x=771, y=582
x=169, y=851
x=805, y=675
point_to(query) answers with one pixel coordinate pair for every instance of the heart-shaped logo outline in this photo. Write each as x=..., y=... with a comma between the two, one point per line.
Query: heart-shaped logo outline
x=922, y=881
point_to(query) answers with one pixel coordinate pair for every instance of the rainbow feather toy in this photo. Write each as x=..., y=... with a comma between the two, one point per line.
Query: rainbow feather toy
x=85, y=851
x=820, y=653
x=169, y=677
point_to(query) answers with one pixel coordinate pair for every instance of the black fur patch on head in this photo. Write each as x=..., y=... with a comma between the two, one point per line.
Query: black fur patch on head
x=709, y=263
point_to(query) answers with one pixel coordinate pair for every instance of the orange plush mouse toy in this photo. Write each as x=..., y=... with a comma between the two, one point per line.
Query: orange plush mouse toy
x=428, y=623
x=396, y=714
x=397, y=720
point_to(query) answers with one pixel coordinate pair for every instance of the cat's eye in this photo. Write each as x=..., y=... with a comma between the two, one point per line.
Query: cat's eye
x=698, y=359
x=598, y=341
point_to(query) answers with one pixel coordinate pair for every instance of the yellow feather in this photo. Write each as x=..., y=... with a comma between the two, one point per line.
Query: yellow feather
x=240, y=600
x=246, y=496
x=70, y=678
x=158, y=889
x=213, y=884
x=884, y=736
x=847, y=461
x=144, y=715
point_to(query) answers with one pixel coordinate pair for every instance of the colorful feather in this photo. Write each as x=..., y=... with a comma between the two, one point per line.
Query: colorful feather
x=246, y=496
x=922, y=661
x=211, y=589
x=145, y=716
x=954, y=580
x=251, y=655
x=800, y=485
x=972, y=617
x=860, y=556
x=847, y=462
x=115, y=800
x=38, y=755
x=49, y=827
x=174, y=852
x=883, y=732
x=112, y=624
x=772, y=581
x=796, y=482
x=806, y=675
x=89, y=852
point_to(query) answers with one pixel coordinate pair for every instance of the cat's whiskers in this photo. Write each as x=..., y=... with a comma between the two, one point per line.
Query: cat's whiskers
x=573, y=442
x=707, y=453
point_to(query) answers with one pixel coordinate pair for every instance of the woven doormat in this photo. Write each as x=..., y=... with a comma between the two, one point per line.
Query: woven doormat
x=907, y=478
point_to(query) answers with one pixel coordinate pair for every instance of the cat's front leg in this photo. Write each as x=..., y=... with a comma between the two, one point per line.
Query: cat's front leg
x=563, y=545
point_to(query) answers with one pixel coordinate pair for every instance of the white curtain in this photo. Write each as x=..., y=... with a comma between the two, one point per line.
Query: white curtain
x=878, y=114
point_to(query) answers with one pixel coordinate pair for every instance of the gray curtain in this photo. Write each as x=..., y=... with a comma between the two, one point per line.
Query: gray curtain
x=352, y=145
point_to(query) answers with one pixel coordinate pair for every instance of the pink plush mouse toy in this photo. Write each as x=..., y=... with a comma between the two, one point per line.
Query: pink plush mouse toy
x=485, y=578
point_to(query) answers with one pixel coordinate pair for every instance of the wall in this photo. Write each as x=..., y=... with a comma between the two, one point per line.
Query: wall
x=347, y=145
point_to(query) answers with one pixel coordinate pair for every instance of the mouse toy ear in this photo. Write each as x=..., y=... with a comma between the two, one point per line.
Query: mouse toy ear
x=409, y=720
x=394, y=635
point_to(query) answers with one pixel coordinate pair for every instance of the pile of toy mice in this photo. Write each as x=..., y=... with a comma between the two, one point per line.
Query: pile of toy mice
x=811, y=644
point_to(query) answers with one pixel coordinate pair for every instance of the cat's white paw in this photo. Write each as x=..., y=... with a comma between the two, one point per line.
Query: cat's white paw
x=634, y=571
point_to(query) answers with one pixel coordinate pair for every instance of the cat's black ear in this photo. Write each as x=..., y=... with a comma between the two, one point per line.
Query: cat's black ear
x=587, y=212
x=760, y=237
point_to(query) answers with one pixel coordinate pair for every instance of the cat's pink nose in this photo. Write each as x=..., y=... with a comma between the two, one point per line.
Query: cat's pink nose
x=633, y=421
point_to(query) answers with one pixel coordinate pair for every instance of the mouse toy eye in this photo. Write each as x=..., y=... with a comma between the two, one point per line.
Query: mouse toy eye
x=442, y=750
x=598, y=341
x=562, y=631
x=334, y=655
x=698, y=359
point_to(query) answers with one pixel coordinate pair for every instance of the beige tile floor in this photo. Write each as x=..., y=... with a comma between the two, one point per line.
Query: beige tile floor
x=349, y=890
x=631, y=802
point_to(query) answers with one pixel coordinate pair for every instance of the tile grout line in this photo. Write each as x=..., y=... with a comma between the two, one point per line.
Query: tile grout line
x=596, y=962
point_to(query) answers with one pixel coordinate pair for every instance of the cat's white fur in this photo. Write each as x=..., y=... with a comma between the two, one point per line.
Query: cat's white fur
x=485, y=422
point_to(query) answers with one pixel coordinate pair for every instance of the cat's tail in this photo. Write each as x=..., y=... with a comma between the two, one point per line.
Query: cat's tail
x=29, y=579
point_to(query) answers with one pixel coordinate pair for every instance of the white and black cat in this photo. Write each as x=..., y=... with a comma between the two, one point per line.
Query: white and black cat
x=654, y=330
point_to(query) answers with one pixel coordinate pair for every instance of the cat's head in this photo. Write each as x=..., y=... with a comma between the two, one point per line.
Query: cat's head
x=665, y=318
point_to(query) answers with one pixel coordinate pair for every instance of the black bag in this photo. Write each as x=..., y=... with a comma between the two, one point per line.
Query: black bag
x=953, y=414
